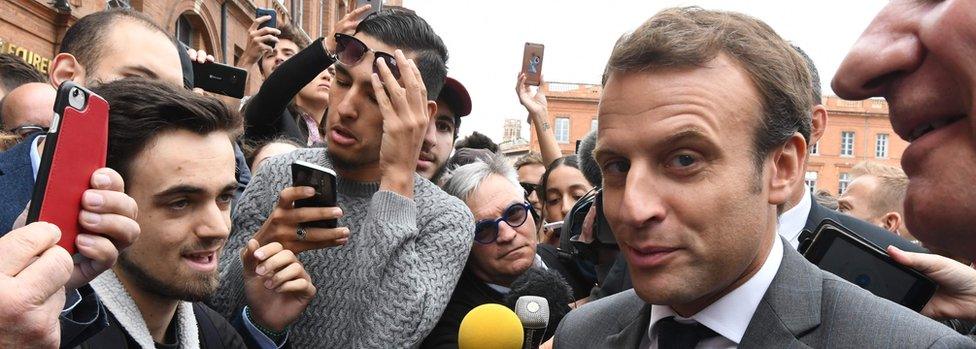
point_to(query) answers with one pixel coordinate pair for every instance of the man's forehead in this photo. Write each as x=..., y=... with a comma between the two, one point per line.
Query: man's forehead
x=133, y=44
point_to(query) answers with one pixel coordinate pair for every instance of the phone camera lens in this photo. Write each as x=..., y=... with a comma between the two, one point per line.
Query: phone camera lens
x=74, y=93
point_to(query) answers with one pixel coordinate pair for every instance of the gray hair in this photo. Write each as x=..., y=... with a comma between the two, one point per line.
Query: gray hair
x=462, y=181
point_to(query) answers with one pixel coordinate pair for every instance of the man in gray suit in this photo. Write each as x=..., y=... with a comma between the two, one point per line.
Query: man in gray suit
x=703, y=128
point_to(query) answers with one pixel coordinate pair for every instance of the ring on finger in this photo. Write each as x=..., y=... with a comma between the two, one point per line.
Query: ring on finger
x=301, y=234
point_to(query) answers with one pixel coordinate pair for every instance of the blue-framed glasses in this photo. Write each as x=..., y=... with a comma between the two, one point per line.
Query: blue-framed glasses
x=486, y=230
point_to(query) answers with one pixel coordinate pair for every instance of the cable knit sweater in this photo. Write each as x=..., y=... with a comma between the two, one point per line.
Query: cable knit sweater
x=387, y=287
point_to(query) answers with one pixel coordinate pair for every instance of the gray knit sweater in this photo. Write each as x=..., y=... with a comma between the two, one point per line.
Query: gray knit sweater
x=387, y=287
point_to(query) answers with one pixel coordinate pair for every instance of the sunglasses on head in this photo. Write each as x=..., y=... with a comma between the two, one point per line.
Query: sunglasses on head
x=486, y=231
x=350, y=51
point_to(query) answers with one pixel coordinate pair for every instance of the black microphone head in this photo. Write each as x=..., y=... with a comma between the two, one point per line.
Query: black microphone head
x=588, y=165
x=547, y=284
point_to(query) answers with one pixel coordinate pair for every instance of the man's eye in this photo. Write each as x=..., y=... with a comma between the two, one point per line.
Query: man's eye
x=225, y=197
x=179, y=204
x=683, y=161
x=445, y=127
x=616, y=167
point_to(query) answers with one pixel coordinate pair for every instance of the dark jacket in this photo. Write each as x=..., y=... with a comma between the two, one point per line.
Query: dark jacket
x=215, y=333
x=875, y=234
x=16, y=182
x=266, y=114
x=571, y=273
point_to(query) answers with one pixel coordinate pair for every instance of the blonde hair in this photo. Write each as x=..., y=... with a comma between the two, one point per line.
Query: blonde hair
x=892, y=185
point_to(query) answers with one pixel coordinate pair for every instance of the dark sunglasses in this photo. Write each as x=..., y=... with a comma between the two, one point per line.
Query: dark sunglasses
x=28, y=130
x=529, y=188
x=350, y=51
x=486, y=231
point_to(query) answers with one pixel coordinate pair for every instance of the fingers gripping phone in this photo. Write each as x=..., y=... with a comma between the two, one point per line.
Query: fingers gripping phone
x=377, y=6
x=74, y=148
x=273, y=22
x=532, y=63
x=304, y=174
x=220, y=78
x=841, y=252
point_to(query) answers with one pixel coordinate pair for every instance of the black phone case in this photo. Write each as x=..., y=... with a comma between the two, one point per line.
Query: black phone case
x=917, y=296
x=273, y=22
x=302, y=176
x=220, y=78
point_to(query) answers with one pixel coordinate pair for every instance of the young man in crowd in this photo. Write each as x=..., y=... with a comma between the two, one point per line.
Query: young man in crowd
x=175, y=149
x=385, y=275
x=452, y=104
x=714, y=107
x=877, y=195
x=918, y=57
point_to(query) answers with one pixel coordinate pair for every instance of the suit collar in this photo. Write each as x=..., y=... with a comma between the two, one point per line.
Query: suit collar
x=633, y=326
x=17, y=156
x=791, y=306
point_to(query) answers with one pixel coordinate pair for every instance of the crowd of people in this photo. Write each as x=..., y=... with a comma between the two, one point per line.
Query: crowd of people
x=680, y=223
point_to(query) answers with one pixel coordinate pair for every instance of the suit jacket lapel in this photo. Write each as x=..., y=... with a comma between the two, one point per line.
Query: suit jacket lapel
x=633, y=326
x=789, y=309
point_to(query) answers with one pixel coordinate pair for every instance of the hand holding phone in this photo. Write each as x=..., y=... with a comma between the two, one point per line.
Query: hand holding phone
x=375, y=6
x=271, y=23
x=74, y=148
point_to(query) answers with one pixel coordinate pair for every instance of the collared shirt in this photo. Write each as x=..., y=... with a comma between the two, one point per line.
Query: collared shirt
x=730, y=315
x=792, y=221
x=35, y=155
x=538, y=263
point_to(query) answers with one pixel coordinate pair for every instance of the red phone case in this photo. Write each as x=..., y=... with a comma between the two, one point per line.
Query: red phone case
x=78, y=143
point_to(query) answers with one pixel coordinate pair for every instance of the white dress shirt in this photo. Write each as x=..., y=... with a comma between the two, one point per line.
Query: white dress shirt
x=792, y=221
x=730, y=315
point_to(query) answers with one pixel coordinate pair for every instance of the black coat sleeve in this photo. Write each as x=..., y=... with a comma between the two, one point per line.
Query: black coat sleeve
x=263, y=111
x=84, y=321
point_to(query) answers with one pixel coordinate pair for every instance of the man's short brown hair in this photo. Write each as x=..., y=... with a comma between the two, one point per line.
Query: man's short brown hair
x=289, y=32
x=532, y=158
x=690, y=37
x=889, y=196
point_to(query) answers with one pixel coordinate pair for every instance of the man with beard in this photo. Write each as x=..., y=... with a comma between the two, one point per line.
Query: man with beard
x=175, y=150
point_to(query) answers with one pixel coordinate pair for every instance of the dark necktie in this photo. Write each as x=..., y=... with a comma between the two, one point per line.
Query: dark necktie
x=672, y=334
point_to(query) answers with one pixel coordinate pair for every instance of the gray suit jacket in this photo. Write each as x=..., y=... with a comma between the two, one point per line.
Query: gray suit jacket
x=804, y=307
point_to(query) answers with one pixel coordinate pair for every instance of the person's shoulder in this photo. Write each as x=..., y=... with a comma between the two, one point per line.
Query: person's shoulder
x=623, y=306
x=434, y=202
x=848, y=308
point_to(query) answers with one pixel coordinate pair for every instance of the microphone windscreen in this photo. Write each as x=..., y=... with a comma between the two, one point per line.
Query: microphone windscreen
x=490, y=326
x=588, y=165
x=547, y=284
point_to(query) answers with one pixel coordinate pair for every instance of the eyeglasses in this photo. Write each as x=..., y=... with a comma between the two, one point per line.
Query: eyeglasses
x=28, y=130
x=350, y=51
x=529, y=188
x=486, y=231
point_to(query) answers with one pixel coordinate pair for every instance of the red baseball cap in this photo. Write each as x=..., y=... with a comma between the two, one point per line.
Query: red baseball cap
x=456, y=96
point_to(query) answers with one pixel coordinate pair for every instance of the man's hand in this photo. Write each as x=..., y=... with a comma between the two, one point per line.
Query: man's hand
x=199, y=56
x=956, y=296
x=33, y=272
x=405, y=121
x=258, y=42
x=282, y=225
x=276, y=285
x=346, y=25
x=535, y=103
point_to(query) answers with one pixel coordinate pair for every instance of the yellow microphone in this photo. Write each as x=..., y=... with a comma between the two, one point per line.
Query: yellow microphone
x=490, y=326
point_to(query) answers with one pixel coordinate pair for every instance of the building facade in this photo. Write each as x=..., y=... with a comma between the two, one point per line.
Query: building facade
x=32, y=29
x=856, y=131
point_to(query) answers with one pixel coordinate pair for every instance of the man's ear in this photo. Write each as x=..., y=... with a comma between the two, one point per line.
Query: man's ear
x=431, y=109
x=787, y=168
x=818, y=124
x=65, y=67
x=892, y=222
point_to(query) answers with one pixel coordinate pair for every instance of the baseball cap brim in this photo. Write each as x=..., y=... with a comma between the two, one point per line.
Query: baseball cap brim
x=456, y=96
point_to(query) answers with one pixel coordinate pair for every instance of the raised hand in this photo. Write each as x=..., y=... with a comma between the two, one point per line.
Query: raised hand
x=405, y=117
x=956, y=296
x=282, y=225
x=276, y=285
x=346, y=25
x=259, y=41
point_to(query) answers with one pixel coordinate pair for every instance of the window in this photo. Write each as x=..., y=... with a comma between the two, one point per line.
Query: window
x=184, y=31
x=593, y=124
x=815, y=149
x=881, y=146
x=845, y=179
x=562, y=130
x=847, y=143
x=811, y=180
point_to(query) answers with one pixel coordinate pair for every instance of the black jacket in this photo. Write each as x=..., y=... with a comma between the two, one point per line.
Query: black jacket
x=215, y=333
x=266, y=114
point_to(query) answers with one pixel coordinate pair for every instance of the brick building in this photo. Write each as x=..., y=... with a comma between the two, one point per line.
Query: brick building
x=856, y=131
x=32, y=29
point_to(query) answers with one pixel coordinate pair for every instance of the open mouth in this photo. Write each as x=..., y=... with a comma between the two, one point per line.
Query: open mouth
x=926, y=128
x=204, y=261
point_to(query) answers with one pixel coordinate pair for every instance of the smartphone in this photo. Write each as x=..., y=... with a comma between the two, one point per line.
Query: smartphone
x=273, y=22
x=377, y=6
x=532, y=63
x=74, y=147
x=304, y=174
x=839, y=251
x=220, y=78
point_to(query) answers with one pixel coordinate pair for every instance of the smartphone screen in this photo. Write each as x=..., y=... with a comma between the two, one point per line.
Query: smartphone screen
x=323, y=180
x=532, y=63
